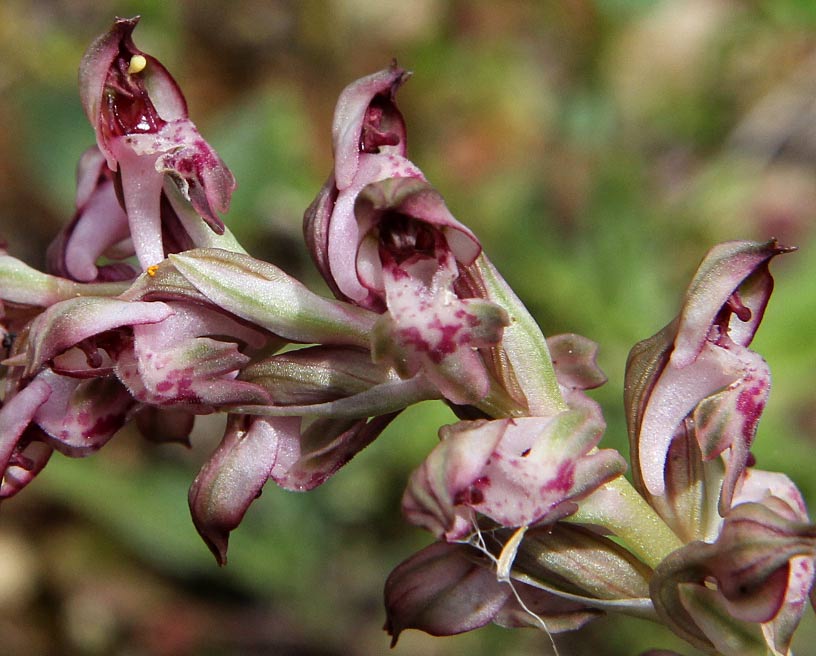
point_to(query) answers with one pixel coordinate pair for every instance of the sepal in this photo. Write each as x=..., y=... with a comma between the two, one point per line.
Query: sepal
x=580, y=562
x=522, y=361
x=263, y=294
x=366, y=120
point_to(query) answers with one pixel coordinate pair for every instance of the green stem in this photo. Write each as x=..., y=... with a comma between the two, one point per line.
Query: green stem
x=618, y=507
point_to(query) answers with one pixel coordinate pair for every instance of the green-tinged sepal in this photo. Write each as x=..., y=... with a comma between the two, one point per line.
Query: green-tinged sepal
x=522, y=361
x=263, y=294
x=22, y=284
x=579, y=563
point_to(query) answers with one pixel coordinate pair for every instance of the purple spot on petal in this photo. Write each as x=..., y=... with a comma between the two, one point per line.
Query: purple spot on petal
x=105, y=426
x=563, y=480
x=474, y=494
x=750, y=405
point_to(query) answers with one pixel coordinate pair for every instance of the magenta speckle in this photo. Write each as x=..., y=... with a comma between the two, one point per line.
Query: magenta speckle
x=750, y=405
x=447, y=341
x=412, y=336
x=473, y=495
x=164, y=386
x=563, y=480
x=482, y=482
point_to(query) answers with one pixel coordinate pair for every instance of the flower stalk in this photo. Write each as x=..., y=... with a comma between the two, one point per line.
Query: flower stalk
x=620, y=509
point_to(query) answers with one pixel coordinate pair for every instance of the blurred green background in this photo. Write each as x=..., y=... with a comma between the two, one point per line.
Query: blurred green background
x=598, y=148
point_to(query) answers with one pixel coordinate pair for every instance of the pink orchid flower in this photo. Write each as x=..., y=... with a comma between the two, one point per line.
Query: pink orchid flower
x=143, y=130
x=700, y=367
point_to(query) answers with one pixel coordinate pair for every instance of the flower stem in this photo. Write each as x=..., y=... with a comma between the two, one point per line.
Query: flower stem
x=618, y=507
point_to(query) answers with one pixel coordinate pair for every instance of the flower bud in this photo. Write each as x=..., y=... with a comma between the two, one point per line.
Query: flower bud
x=235, y=474
x=761, y=562
x=447, y=589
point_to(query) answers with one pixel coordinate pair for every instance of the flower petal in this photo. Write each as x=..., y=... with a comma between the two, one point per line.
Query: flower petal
x=324, y=447
x=17, y=413
x=80, y=416
x=455, y=465
x=67, y=323
x=725, y=268
x=574, y=358
x=517, y=472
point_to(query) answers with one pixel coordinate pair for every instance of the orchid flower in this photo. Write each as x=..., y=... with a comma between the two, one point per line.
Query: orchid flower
x=518, y=472
x=142, y=128
x=409, y=254
x=694, y=396
x=700, y=367
x=384, y=239
x=762, y=564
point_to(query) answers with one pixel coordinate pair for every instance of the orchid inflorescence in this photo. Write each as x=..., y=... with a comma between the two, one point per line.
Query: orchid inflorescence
x=153, y=313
